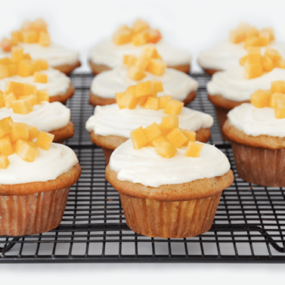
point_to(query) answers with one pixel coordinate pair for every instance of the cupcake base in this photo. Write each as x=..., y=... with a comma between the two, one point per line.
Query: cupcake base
x=222, y=117
x=97, y=100
x=32, y=214
x=64, y=133
x=262, y=166
x=107, y=154
x=98, y=68
x=165, y=219
x=62, y=98
x=210, y=71
x=67, y=68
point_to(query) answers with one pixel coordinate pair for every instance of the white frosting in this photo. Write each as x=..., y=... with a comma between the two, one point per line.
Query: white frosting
x=48, y=166
x=145, y=166
x=226, y=55
x=256, y=121
x=175, y=83
x=45, y=116
x=110, y=120
x=111, y=55
x=232, y=85
x=54, y=54
x=57, y=84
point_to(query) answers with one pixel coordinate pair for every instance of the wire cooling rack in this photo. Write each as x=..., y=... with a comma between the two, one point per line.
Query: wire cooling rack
x=248, y=227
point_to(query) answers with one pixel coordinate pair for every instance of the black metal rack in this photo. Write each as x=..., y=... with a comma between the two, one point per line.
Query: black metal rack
x=249, y=225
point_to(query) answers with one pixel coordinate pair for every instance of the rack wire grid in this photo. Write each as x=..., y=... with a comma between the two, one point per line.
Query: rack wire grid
x=248, y=226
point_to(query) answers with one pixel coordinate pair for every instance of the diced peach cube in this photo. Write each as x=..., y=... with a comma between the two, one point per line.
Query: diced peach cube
x=131, y=90
x=159, y=139
x=142, y=63
x=256, y=42
x=173, y=107
x=12, y=69
x=122, y=36
x=163, y=101
x=119, y=96
x=29, y=37
x=42, y=95
x=33, y=133
x=31, y=98
x=278, y=86
x=14, y=87
x=29, y=89
x=157, y=86
x=25, y=68
x=152, y=131
x=8, y=121
x=139, y=138
x=169, y=123
x=140, y=25
x=40, y=64
x=194, y=149
x=40, y=77
x=6, y=45
x=260, y=99
x=270, y=31
x=44, y=39
x=5, y=61
x=143, y=89
x=5, y=127
x=17, y=53
x=151, y=103
x=129, y=101
x=237, y=36
x=4, y=161
x=130, y=60
x=155, y=36
x=141, y=38
x=191, y=136
x=254, y=55
x=156, y=66
x=16, y=36
x=26, y=151
x=165, y=149
x=274, y=55
x=279, y=109
x=4, y=72
x=267, y=63
x=252, y=32
x=44, y=140
x=252, y=70
x=149, y=52
x=176, y=138
x=135, y=73
x=23, y=106
x=281, y=64
x=8, y=99
x=19, y=131
x=6, y=146
x=276, y=97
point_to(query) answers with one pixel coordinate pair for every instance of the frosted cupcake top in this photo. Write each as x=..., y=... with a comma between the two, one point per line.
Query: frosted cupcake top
x=145, y=166
x=255, y=121
x=176, y=83
x=110, y=120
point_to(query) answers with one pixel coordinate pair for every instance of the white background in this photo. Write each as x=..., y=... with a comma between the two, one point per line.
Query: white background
x=194, y=25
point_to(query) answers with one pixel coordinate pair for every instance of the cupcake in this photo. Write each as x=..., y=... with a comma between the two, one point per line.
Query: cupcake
x=109, y=53
x=35, y=176
x=34, y=38
x=169, y=185
x=257, y=135
x=111, y=125
x=228, y=89
x=25, y=104
x=226, y=54
x=148, y=66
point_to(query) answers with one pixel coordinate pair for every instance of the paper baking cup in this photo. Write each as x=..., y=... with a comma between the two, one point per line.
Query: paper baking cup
x=174, y=219
x=32, y=214
x=222, y=117
x=261, y=166
x=107, y=153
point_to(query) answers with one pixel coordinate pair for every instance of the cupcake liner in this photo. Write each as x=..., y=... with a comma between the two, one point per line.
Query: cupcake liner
x=260, y=166
x=107, y=153
x=222, y=117
x=32, y=214
x=174, y=219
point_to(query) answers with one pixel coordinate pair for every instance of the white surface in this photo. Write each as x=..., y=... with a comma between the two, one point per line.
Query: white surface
x=194, y=25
